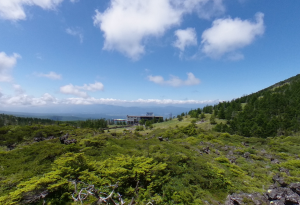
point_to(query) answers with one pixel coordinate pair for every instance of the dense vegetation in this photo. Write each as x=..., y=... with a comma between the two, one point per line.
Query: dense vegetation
x=166, y=163
x=274, y=111
x=90, y=123
x=192, y=167
x=13, y=120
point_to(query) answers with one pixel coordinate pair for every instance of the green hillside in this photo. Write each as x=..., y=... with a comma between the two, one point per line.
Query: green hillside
x=190, y=166
x=273, y=111
x=200, y=158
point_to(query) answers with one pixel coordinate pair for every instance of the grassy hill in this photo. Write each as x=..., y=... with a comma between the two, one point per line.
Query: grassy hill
x=192, y=161
x=192, y=165
x=273, y=111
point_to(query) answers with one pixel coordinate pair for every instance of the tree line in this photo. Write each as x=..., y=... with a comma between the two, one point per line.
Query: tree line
x=269, y=112
x=6, y=120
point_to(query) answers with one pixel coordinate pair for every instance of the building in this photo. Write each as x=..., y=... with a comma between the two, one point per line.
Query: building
x=131, y=120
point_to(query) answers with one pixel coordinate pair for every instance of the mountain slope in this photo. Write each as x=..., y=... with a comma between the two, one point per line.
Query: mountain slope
x=269, y=112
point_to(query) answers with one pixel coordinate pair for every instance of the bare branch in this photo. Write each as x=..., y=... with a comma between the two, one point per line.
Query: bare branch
x=90, y=190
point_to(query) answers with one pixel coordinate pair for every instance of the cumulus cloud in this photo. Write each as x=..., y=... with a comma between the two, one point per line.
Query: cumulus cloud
x=228, y=35
x=75, y=32
x=92, y=87
x=18, y=89
x=26, y=100
x=209, y=8
x=80, y=90
x=126, y=24
x=47, y=99
x=187, y=37
x=15, y=9
x=175, y=81
x=51, y=75
x=20, y=98
x=73, y=90
x=6, y=65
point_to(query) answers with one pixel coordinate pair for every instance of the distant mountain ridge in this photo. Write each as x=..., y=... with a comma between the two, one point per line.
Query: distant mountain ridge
x=98, y=111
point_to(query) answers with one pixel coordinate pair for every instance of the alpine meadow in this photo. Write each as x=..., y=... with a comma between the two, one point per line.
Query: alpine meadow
x=241, y=152
x=149, y=102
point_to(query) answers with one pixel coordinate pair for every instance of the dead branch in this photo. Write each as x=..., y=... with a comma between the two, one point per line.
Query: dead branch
x=90, y=190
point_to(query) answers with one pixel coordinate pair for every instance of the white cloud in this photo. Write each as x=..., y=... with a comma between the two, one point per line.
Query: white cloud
x=92, y=87
x=75, y=32
x=51, y=75
x=187, y=37
x=126, y=24
x=175, y=81
x=228, y=35
x=80, y=90
x=73, y=90
x=112, y=101
x=209, y=8
x=15, y=9
x=22, y=99
x=18, y=89
x=6, y=65
x=47, y=99
x=27, y=100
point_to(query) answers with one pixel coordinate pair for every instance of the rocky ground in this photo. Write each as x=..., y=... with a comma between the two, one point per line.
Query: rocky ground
x=278, y=194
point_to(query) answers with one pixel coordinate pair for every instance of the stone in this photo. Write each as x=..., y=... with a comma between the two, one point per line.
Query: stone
x=239, y=199
x=281, y=169
x=71, y=141
x=275, y=196
x=50, y=138
x=245, y=144
x=295, y=187
x=12, y=146
x=280, y=180
x=206, y=150
x=292, y=198
x=63, y=138
x=275, y=161
x=247, y=155
x=39, y=139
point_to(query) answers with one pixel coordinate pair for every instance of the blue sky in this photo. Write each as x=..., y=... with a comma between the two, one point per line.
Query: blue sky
x=143, y=52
